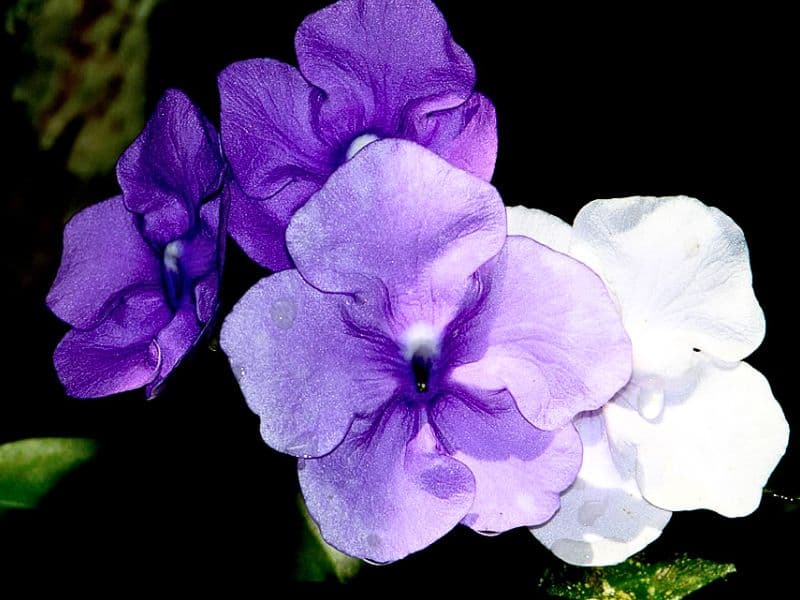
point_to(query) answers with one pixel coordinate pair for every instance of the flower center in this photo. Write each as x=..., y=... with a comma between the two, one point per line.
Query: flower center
x=359, y=143
x=420, y=349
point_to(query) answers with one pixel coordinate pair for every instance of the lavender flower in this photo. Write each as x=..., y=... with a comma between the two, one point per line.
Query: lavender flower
x=368, y=70
x=391, y=359
x=139, y=276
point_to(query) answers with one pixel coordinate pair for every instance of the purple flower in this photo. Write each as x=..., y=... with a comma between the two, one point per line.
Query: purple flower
x=139, y=276
x=396, y=359
x=368, y=70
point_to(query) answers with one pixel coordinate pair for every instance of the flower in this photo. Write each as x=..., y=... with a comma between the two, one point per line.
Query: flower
x=694, y=428
x=368, y=70
x=391, y=360
x=139, y=275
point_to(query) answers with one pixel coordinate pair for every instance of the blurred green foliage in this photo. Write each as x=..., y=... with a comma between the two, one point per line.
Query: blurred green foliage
x=30, y=468
x=636, y=580
x=87, y=74
x=319, y=561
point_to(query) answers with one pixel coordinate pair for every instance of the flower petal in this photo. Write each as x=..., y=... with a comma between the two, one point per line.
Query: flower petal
x=172, y=166
x=377, y=60
x=299, y=366
x=117, y=355
x=466, y=136
x=259, y=226
x=382, y=495
x=539, y=226
x=519, y=470
x=206, y=290
x=714, y=444
x=174, y=342
x=555, y=339
x=603, y=518
x=104, y=255
x=681, y=273
x=398, y=223
x=267, y=122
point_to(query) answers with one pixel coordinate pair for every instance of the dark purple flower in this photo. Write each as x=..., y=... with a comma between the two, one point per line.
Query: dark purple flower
x=368, y=70
x=425, y=368
x=139, y=276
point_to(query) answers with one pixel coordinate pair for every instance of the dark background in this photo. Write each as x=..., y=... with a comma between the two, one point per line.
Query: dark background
x=590, y=105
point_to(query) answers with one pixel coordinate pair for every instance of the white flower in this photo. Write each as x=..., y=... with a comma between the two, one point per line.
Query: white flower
x=694, y=428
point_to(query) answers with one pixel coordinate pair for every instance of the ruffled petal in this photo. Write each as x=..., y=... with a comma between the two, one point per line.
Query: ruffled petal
x=259, y=226
x=301, y=368
x=718, y=435
x=174, y=342
x=104, y=255
x=382, y=495
x=554, y=338
x=119, y=354
x=466, y=136
x=398, y=224
x=268, y=131
x=540, y=226
x=377, y=61
x=681, y=273
x=603, y=519
x=519, y=470
x=172, y=166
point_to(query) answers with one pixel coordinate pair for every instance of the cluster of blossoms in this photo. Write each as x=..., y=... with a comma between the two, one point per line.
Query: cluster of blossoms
x=429, y=356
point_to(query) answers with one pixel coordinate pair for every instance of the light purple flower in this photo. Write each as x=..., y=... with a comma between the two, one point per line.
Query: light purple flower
x=391, y=359
x=368, y=70
x=139, y=276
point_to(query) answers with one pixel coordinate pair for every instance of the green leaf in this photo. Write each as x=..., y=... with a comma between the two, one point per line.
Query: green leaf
x=88, y=77
x=30, y=468
x=635, y=580
x=319, y=561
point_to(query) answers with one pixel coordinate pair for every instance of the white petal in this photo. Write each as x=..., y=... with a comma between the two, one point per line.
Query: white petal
x=715, y=444
x=603, y=518
x=681, y=274
x=539, y=226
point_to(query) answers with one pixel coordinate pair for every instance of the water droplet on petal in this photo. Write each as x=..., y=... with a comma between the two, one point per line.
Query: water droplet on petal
x=573, y=550
x=470, y=519
x=283, y=312
x=650, y=402
x=590, y=512
x=301, y=464
x=303, y=444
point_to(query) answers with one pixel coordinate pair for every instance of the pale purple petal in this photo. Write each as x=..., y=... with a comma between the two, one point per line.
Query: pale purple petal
x=519, y=470
x=382, y=495
x=301, y=368
x=466, y=136
x=555, y=339
x=259, y=226
x=119, y=354
x=171, y=167
x=376, y=60
x=267, y=121
x=398, y=223
x=104, y=255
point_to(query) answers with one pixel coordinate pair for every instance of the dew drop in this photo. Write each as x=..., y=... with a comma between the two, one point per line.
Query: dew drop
x=301, y=464
x=573, y=551
x=590, y=512
x=304, y=444
x=650, y=402
x=283, y=312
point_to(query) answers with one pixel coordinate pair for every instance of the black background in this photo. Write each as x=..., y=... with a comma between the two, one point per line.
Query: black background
x=604, y=103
